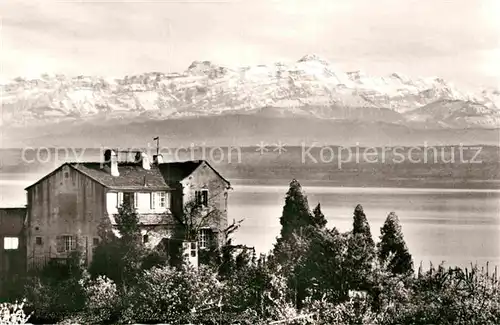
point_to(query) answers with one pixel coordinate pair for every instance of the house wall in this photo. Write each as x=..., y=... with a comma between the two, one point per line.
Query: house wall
x=65, y=203
x=68, y=202
x=156, y=234
x=204, y=177
x=12, y=262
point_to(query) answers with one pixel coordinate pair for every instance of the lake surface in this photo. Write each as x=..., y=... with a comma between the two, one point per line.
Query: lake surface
x=455, y=226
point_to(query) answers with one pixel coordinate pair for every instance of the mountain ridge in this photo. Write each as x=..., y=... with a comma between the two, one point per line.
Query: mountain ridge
x=311, y=86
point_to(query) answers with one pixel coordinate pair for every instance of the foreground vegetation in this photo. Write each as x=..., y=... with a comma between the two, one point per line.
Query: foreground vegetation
x=314, y=275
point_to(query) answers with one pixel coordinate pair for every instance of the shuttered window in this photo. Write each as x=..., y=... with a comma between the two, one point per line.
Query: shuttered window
x=127, y=198
x=66, y=243
x=160, y=201
x=112, y=202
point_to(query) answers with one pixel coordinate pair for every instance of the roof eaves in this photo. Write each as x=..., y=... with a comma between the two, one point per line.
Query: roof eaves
x=216, y=172
x=46, y=176
x=86, y=174
x=146, y=188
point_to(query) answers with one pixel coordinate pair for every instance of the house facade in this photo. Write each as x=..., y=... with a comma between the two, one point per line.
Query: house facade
x=12, y=246
x=68, y=208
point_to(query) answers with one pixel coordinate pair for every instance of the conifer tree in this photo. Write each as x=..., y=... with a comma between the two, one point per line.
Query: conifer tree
x=318, y=217
x=361, y=225
x=127, y=223
x=360, y=251
x=296, y=214
x=392, y=248
x=120, y=257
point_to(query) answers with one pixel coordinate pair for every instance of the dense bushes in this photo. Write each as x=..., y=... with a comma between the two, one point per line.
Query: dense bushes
x=315, y=275
x=55, y=292
x=103, y=302
x=13, y=313
x=175, y=296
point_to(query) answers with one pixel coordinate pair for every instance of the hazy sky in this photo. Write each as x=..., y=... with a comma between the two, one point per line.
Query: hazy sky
x=455, y=39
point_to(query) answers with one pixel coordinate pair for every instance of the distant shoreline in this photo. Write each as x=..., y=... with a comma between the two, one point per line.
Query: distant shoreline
x=410, y=183
x=493, y=185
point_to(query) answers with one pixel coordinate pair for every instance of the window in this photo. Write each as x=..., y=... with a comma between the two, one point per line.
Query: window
x=128, y=199
x=159, y=201
x=193, y=249
x=38, y=241
x=69, y=243
x=10, y=243
x=162, y=199
x=66, y=243
x=201, y=197
x=204, y=238
x=95, y=241
x=145, y=238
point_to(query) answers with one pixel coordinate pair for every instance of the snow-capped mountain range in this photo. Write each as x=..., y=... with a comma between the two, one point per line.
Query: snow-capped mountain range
x=309, y=87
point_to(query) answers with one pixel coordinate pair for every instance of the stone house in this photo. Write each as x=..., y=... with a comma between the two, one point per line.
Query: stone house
x=12, y=246
x=67, y=207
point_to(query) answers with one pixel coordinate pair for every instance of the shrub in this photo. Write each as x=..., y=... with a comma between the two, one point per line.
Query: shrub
x=55, y=292
x=102, y=301
x=356, y=310
x=13, y=313
x=392, y=247
x=167, y=295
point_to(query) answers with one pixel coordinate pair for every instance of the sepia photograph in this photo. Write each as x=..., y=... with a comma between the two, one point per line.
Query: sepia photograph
x=250, y=162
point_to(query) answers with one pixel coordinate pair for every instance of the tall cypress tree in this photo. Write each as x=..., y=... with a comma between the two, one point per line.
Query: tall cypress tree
x=296, y=217
x=361, y=225
x=296, y=214
x=360, y=251
x=318, y=217
x=392, y=248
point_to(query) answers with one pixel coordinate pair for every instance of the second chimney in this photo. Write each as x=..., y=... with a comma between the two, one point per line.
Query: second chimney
x=114, y=164
x=158, y=159
x=145, y=161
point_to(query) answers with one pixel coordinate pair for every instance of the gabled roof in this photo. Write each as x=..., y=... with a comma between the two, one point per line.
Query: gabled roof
x=133, y=176
x=177, y=171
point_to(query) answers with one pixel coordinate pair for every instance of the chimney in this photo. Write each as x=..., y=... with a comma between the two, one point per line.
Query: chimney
x=158, y=159
x=114, y=164
x=145, y=161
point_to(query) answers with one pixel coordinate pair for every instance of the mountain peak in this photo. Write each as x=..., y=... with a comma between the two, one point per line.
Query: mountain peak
x=310, y=87
x=314, y=57
x=356, y=75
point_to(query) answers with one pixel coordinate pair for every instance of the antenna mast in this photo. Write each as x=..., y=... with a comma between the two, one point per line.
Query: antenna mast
x=157, y=145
